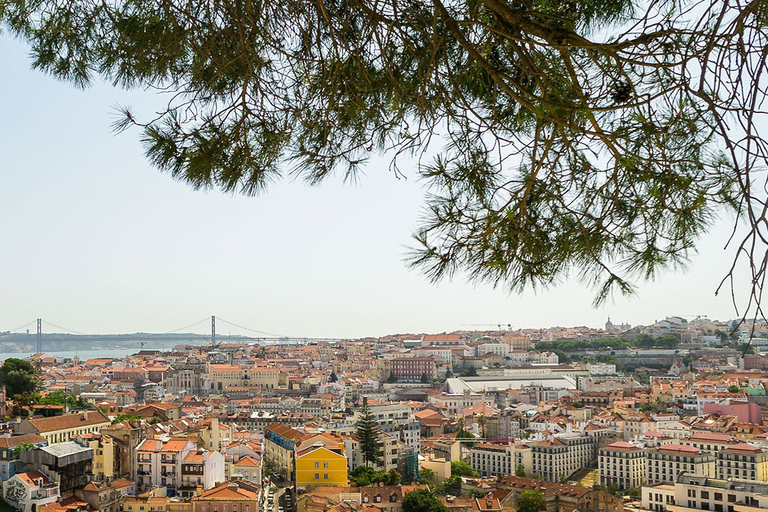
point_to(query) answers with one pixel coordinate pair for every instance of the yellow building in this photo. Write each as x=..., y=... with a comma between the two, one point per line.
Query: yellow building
x=321, y=466
x=103, y=455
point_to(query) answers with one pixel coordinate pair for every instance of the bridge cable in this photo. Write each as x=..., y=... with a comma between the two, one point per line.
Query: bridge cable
x=65, y=329
x=187, y=327
x=23, y=326
x=254, y=330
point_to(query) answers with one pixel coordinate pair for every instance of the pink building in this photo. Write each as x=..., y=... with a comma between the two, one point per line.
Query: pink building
x=745, y=412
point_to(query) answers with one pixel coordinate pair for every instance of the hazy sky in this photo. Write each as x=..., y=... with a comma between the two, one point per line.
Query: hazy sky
x=95, y=240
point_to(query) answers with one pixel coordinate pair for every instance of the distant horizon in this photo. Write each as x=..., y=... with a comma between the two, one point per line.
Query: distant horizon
x=490, y=327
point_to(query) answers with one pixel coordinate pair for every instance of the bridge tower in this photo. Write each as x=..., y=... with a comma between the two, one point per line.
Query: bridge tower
x=213, y=329
x=39, y=335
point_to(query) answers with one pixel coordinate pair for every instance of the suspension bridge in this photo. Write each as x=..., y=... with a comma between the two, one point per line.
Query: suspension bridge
x=208, y=337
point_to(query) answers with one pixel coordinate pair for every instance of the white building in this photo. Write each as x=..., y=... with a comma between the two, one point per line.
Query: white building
x=27, y=492
x=158, y=463
x=492, y=459
x=666, y=462
x=623, y=464
x=695, y=492
x=601, y=368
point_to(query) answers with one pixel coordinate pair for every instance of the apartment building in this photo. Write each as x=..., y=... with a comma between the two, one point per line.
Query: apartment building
x=413, y=368
x=200, y=468
x=27, y=492
x=279, y=448
x=696, y=492
x=389, y=449
x=562, y=456
x=103, y=455
x=158, y=462
x=666, y=462
x=710, y=442
x=396, y=420
x=321, y=465
x=742, y=461
x=623, y=464
x=492, y=459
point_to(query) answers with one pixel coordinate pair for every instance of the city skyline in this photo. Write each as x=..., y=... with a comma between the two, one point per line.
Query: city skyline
x=98, y=240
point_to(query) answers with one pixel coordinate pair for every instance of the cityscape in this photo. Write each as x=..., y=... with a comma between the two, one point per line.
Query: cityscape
x=665, y=416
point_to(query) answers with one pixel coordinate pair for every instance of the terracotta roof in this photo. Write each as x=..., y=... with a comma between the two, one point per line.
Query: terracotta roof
x=14, y=441
x=622, y=445
x=34, y=478
x=742, y=448
x=69, y=421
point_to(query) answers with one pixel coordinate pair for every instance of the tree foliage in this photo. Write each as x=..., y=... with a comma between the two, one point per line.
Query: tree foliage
x=21, y=448
x=461, y=468
x=368, y=434
x=365, y=476
x=19, y=376
x=452, y=486
x=593, y=138
x=421, y=500
x=530, y=501
x=466, y=434
x=65, y=397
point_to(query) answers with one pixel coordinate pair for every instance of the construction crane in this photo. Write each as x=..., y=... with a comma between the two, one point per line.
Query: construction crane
x=499, y=326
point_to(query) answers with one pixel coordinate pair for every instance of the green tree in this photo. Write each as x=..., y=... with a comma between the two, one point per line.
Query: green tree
x=421, y=500
x=465, y=434
x=18, y=376
x=520, y=470
x=23, y=401
x=362, y=476
x=577, y=142
x=427, y=475
x=126, y=417
x=391, y=379
x=21, y=448
x=333, y=377
x=530, y=501
x=452, y=485
x=368, y=433
x=734, y=388
x=461, y=468
x=424, y=379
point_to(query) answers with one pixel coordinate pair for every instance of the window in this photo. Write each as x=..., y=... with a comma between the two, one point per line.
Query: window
x=325, y=476
x=325, y=465
x=317, y=476
x=317, y=464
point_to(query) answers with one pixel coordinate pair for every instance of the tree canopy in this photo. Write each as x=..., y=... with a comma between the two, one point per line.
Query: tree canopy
x=530, y=501
x=596, y=139
x=421, y=500
x=18, y=376
x=461, y=468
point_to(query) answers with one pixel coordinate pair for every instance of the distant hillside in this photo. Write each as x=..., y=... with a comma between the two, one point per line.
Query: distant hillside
x=25, y=343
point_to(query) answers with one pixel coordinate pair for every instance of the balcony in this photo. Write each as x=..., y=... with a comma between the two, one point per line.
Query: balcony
x=168, y=473
x=142, y=472
x=167, y=460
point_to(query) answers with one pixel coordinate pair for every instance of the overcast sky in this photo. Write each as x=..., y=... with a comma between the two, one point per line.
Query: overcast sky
x=96, y=240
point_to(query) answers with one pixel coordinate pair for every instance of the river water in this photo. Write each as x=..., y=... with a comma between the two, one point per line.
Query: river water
x=82, y=354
